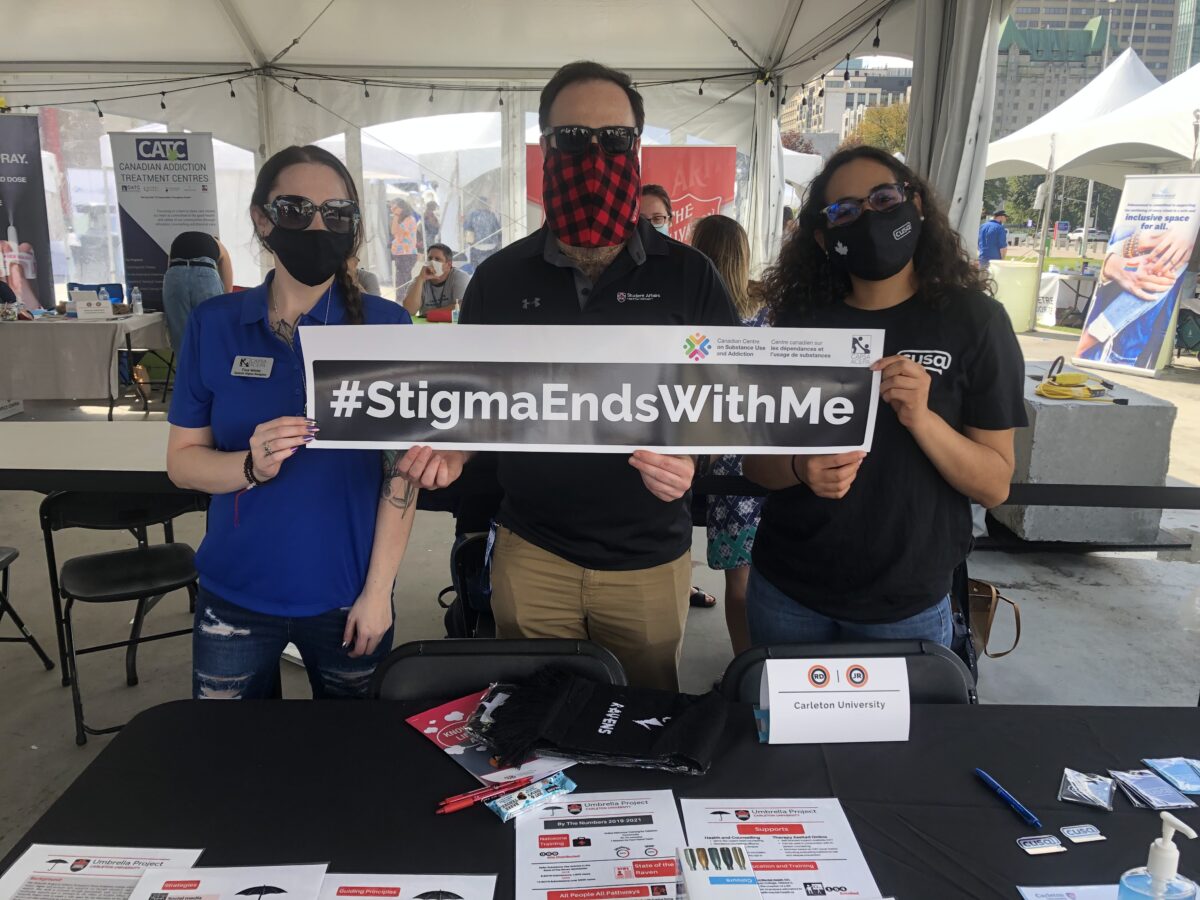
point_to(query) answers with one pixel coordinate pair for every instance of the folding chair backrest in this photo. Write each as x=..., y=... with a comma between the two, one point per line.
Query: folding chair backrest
x=449, y=669
x=116, y=511
x=935, y=674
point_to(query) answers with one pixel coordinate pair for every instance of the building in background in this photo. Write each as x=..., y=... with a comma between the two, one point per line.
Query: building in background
x=1039, y=68
x=821, y=106
x=1148, y=26
x=1185, y=51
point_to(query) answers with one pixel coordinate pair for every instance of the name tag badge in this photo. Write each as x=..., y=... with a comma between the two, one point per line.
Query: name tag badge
x=252, y=366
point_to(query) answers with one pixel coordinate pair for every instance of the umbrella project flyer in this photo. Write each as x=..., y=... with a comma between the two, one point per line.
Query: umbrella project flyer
x=237, y=883
x=73, y=872
x=409, y=887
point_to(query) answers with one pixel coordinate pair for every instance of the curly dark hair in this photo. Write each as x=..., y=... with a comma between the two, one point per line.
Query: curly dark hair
x=803, y=280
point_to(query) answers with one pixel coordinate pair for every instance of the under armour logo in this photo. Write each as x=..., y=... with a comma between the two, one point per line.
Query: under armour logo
x=535, y=302
x=652, y=723
x=840, y=249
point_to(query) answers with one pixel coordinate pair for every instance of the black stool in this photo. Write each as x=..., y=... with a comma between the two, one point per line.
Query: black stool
x=8, y=556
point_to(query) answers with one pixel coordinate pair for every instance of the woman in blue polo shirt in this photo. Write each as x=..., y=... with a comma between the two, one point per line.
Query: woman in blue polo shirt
x=302, y=545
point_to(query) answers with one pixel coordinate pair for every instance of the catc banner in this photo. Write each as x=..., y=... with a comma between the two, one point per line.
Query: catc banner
x=603, y=388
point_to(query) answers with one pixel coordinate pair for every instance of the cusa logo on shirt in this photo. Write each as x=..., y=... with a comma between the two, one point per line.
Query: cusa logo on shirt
x=933, y=360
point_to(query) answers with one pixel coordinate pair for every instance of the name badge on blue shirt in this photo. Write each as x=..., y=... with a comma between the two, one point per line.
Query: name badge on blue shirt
x=252, y=366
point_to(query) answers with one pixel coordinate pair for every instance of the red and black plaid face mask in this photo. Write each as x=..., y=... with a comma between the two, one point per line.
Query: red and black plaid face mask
x=591, y=199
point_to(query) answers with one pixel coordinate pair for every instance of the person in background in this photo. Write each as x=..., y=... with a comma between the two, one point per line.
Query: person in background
x=482, y=232
x=656, y=207
x=732, y=521
x=993, y=239
x=198, y=267
x=789, y=221
x=591, y=545
x=863, y=547
x=438, y=284
x=368, y=281
x=433, y=223
x=302, y=545
x=406, y=242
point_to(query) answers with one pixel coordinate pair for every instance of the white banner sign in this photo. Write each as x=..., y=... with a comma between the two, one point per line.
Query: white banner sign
x=166, y=185
x=1128, y=323
x=836, y=701
x=595, y=389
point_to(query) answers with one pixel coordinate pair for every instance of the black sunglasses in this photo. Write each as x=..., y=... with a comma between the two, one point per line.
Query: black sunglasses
x=882, y=198
x=574, y=139
x=296, y=213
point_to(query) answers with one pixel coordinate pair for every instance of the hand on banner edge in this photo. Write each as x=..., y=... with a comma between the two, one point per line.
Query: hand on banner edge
x=666, y=477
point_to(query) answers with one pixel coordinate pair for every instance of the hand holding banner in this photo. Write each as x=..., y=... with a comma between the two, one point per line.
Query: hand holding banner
x=568, y=389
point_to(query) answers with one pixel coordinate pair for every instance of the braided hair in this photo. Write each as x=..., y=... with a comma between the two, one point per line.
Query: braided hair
x=294, y=155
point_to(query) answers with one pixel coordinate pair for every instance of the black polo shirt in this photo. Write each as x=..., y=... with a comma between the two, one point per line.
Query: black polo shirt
x=592, y=509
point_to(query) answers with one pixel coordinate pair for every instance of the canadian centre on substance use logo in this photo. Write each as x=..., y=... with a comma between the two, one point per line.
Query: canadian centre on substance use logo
x=697, y=346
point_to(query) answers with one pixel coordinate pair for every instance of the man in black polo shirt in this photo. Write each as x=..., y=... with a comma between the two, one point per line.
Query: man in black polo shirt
x=591, y=545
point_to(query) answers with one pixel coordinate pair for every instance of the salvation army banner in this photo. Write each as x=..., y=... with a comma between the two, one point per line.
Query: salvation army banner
x=699, y=180
x=166, y=184
x=602, y=388
x=24, y=232
x=1141, y=279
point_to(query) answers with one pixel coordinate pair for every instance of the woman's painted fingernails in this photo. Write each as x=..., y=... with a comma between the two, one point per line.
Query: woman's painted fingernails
x=309, y=438
x=293, y=450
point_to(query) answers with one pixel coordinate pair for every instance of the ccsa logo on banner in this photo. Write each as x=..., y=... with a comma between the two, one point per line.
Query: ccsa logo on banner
x=162, y=149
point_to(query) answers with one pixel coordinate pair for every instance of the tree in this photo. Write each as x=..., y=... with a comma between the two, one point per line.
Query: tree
x=797, y=142
x=885, y=127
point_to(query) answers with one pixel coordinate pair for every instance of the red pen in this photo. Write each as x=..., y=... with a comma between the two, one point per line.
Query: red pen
x=454, y=804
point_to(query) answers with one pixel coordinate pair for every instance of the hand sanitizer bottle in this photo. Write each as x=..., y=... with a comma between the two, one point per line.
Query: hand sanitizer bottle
x=457, y=310
x=1160, y=878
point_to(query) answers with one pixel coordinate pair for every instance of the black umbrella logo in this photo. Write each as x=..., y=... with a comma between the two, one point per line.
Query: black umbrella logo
x=261, y=891
x=55, y=863
x=80, y=864
x=719, y=812
x=551, y=808
x=438, y=895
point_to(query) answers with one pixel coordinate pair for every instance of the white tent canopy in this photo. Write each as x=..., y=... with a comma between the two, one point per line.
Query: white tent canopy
x=1157, y=132
x=1028, y=151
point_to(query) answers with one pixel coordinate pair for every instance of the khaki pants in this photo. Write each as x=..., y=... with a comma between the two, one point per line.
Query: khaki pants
x=639, y=615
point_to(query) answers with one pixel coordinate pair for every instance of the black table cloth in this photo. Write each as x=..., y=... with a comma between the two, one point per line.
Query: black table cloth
x=352, y=784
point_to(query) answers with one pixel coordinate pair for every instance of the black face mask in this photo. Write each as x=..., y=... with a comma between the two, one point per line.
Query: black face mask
x=312, y=256
x=876, y=245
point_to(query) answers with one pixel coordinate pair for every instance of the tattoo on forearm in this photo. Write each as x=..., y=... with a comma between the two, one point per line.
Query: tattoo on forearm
x=403, y=500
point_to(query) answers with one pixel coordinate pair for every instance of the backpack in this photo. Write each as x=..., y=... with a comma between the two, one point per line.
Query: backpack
x=469, y=609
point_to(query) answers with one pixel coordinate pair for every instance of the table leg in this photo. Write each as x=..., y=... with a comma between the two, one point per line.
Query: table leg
x=129, y=356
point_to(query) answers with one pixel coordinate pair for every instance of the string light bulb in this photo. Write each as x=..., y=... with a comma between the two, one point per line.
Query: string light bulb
x=162, y=103
x=99, y=111
x=499, y=97
x=232, y=92
x=875, y=43
x=296, y=86
x=701, y=90
x=366, y=91
x=431, y=93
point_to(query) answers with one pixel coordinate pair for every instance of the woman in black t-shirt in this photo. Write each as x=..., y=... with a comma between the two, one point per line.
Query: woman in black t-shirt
x=858, y=546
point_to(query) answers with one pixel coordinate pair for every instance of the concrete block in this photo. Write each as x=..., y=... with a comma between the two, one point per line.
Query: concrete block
x=1085, y=442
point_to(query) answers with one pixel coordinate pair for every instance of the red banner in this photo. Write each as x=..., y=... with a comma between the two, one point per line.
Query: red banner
x=699, y=180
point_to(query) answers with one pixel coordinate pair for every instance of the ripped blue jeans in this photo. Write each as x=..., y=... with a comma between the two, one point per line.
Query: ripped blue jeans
x=235, y=653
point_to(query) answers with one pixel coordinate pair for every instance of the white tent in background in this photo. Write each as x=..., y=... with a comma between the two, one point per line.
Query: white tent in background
x=801, y=168
x=1027, y=151
x=1156, y=132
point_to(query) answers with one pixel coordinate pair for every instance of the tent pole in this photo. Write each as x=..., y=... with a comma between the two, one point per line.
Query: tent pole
x=354, y=163
x=1047, y=200
x=1087, y=218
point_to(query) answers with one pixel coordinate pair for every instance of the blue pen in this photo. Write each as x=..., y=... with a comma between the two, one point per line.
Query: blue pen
x=1008, y=798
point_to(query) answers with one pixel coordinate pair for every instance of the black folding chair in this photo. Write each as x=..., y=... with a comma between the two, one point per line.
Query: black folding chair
x=8, y=556
x=448, y=669
x=143, y=573
x=935, y=674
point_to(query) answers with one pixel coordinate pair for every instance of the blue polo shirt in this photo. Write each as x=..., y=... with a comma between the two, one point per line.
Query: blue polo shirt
x=992, y=239
x=300, y=544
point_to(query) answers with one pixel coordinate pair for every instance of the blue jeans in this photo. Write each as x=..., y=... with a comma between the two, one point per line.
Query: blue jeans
x=775, y=618
x=185, y=288
x=235, y=653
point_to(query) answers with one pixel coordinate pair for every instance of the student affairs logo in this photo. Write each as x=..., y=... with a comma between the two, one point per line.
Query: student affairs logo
x=697, y=346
